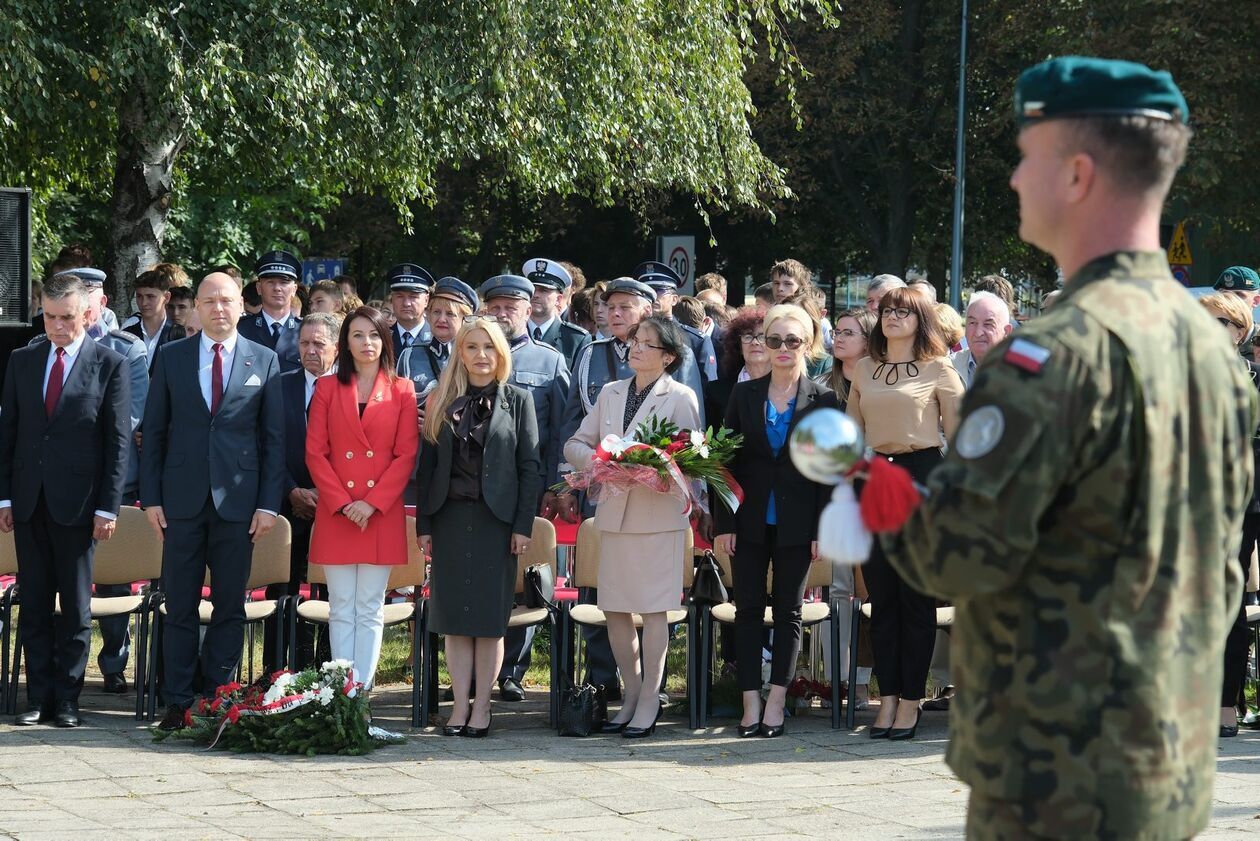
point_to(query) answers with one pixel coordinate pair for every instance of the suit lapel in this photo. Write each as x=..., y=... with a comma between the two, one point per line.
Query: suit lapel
x=348, y=399
x=653, y=403
x=375, y=410
x=243, y=367
x=552, y=336
x=759, y=394
x=806, y=394
x=81, y=374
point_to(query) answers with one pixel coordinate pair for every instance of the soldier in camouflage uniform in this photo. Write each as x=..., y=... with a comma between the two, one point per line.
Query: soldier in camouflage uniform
x=1085, y=519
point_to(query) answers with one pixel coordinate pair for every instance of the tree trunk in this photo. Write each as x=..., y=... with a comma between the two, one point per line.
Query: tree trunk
x=147, y=150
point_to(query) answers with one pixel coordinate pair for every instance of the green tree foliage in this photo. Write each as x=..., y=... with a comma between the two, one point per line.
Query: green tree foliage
x=136, y=100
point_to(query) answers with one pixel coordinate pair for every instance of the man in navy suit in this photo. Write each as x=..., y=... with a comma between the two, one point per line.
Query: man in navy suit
x=317, y=342
x=274, y=326
x=64, y=432
x=211, y=478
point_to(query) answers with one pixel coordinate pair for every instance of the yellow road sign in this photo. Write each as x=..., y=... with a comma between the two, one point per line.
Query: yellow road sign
x=1179, y=248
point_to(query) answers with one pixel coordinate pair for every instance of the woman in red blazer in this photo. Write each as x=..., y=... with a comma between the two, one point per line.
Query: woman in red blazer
x=361, y=442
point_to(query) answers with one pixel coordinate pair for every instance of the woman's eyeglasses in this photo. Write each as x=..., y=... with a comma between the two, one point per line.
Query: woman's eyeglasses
x=776, y=342
x=643, y=343
x=1227, y=322
x=847, y=334
x=750, y=338
x=897, y=312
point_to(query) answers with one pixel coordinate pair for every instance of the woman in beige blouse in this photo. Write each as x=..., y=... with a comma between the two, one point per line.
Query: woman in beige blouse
x=903, y=397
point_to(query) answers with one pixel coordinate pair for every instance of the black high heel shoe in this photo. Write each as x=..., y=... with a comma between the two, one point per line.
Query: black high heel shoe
x=478, y=732
x=879, y=732
x=642, y=732
x=452, y=730
x=774, y=731
x=751, y=730
x=902, y=734
x=609, y=727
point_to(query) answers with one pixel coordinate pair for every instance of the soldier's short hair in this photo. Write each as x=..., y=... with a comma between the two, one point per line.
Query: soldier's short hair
x=1137, y=154
x=65, y=285
x=689, y=311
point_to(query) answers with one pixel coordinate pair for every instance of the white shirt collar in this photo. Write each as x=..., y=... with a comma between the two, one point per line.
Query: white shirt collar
x=268, y=320
x=543, y=326
x=150, y=336
x=72, y=349
x=229, y=344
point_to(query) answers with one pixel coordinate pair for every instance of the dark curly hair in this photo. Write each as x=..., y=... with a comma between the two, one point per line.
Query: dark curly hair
x=746, y=321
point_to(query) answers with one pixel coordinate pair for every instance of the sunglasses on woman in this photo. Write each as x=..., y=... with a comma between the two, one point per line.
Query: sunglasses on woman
x=1227, y=322
x=776, y=342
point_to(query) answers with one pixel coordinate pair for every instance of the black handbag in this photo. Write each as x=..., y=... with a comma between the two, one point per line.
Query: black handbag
x=540, y=586
x=579, y=709
x=707, y=588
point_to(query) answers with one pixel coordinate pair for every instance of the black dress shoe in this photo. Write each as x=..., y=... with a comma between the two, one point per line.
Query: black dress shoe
x=477, y=732
x=642, y=732
x=510, y=689
x=35, y=714
x=1228, y=732
x=879, y=732
x=746, y=731
x=115, y=684
x=68, y=714
x=453, y=729
x=772, y=731
x=173, y=720
x=609, y=727
x=902, y=734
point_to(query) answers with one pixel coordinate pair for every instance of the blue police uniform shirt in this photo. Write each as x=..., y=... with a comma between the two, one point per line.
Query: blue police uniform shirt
x=541, y=370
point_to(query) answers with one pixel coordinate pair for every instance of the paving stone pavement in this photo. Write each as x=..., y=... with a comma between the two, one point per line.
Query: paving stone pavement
x=110, y=781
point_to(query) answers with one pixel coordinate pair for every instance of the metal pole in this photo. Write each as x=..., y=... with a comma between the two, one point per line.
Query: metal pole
x=960, y=148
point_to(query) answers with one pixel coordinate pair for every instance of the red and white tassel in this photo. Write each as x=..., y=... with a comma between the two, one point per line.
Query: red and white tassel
x=889, y=496
x=842, y=538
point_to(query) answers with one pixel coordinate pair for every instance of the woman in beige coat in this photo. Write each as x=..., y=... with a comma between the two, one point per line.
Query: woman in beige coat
x=642, y=532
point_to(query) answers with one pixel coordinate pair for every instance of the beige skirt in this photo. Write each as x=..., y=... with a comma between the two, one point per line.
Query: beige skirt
x=641, y=573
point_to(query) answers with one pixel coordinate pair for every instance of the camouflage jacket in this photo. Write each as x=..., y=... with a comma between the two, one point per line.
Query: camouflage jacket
x=1085, y=523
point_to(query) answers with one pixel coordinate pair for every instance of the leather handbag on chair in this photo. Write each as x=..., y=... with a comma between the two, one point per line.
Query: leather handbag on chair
x=707, y=588
x=540, y=586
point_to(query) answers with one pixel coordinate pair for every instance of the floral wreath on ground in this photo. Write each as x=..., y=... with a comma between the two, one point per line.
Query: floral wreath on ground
x=315, y=711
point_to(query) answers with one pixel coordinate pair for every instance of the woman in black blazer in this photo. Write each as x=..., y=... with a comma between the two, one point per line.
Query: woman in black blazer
x=480, y=479
x=778, y=519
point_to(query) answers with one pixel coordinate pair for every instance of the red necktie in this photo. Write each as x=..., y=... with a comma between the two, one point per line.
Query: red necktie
x=216, y=379
x=53, y=392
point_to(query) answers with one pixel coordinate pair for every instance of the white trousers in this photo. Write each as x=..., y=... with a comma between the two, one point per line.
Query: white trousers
x=356, y=615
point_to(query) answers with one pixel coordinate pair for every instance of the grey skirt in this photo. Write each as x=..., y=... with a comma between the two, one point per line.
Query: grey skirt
x=472, y=578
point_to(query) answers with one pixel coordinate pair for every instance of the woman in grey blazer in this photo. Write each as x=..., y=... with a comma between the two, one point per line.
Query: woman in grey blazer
x=473, y=519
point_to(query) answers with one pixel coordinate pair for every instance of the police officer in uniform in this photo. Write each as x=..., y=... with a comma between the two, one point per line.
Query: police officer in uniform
x=540, y=369
x=409, y=288
x=551, y=282
x=450, y=303
x=1085, y=520
x=665, y=283
x=274, y=326
x=115, y=630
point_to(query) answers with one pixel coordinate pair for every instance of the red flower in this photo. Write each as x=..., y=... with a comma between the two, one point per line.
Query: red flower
x=677, y=446
x=228, y=688
x=188, y=719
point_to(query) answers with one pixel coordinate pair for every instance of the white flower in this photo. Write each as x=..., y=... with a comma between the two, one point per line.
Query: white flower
x=703, y=451
x=338, y=666
x=274, y=693
x=325, y=696
x=697, y=440
x=614, y=444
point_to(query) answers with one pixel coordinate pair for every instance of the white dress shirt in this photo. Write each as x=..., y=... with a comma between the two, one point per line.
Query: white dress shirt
x=311, y=379
x=543, y=327
x=205, y=363
x=414, y=331
x=67, y=363
x=150, y=342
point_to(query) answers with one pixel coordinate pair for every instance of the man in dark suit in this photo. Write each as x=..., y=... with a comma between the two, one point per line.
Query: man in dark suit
x=153, y=294
x=64, y=432
x=317, y=342
x=274, y=326
x=211, y=478
x=409, y=289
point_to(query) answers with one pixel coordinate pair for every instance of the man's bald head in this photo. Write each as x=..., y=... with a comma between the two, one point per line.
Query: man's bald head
x=219, y=305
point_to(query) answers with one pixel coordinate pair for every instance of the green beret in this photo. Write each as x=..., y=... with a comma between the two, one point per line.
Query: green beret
x=1238, y=279
x=1078, y=86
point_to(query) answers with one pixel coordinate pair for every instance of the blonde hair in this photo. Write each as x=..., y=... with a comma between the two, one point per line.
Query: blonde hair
x=454, y=379
x=1231, y=307
x=803, y=317
x=952, y=325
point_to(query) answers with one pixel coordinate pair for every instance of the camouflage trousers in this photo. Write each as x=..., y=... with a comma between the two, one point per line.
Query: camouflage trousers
x=990, y=819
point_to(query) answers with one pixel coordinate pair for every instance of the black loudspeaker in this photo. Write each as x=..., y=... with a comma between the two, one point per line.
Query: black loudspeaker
x=15, y=256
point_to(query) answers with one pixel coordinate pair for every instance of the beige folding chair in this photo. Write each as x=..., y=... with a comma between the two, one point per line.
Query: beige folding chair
x=542, y=551
x=586, y=574
x=411, y=574
x=812, y=613
x=270, y=565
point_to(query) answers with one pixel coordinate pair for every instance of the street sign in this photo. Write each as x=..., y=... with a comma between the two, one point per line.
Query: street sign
x=313, y=270
x=1181, y=273
x=679, y=253
x=1179, y=248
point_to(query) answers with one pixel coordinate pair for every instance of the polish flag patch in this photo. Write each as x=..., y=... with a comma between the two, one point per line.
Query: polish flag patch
x=1027, y=356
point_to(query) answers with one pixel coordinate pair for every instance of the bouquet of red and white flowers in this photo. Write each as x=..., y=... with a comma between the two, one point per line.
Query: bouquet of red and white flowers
x=666, y=459
x=315, y=711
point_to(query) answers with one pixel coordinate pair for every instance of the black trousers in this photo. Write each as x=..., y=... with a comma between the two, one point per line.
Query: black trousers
x=54, y=560
x=307, y=653
x=1236, y=643
x=903, y=620
x=192, y=546
x=749, y=566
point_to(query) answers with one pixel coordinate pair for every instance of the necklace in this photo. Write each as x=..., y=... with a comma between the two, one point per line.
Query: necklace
x=891, y=371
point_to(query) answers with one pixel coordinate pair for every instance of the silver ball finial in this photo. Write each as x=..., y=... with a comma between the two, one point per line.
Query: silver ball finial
x=825, y=445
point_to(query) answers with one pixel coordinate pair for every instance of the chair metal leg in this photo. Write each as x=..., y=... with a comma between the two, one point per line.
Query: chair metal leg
x=695, y=649
x=833, y=627
x=293, y=629
x=417, y=666
x=155, y=648
x=141, y=656
x=553, y=692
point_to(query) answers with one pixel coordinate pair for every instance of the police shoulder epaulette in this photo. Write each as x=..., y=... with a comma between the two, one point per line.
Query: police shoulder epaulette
x=1027, y=355
x=42, y=337
x=129, y=338
x=574, y=328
